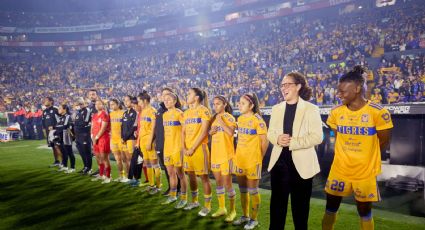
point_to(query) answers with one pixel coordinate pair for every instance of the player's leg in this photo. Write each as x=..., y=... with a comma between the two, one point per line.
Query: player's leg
x=220, y=191
x=243, y=189
x=183, y=186
x=172, y=186
x=254, y=196
x=332, y=205
x=227, y=180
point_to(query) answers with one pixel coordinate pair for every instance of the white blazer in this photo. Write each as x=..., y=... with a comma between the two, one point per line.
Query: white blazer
x=306, y=133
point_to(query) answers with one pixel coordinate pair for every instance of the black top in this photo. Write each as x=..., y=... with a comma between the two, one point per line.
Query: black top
x=83, y=120
x=49, y=117
x=288, y=121
x=159, y=128
x=129, y=125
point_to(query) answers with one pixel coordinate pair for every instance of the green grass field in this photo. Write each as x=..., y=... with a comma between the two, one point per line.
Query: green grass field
x=33, y=196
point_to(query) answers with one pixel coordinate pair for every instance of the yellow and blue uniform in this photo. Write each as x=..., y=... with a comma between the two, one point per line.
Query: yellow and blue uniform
x=147, y=120
x=248, y=160
x=199, y=161
x=222, y=147
x=172, y=120
x=116, y=123
x=357, y=159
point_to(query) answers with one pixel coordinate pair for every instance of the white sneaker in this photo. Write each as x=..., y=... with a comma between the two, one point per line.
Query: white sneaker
x=107, y=180
x=251, y=225
x=241, y=220
x=61, y=169
x=124, y=180
x=191, y=206
x=117, y=180
x=204, y=212
x=69, y=171
x=97, y=178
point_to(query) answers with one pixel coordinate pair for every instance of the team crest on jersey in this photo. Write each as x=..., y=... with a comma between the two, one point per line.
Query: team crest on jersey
x=365, y=117
x=207, y=113
x=341, y=118
x=386, y=117
x=262, y=125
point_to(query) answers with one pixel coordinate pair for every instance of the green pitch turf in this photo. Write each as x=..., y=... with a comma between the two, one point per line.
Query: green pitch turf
x=33, y=196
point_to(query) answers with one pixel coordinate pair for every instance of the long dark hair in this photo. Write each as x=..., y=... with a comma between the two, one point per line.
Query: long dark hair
x=116, y=101
x=66, y=108
x=144, y=96
x=203, y=97
x=253, y=100
x=227, y=108
x=305, y=92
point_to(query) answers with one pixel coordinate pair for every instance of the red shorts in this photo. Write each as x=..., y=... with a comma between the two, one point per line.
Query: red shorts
x=102, y=146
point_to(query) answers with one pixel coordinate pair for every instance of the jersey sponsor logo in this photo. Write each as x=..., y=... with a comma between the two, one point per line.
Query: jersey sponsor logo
x=193, y=121
x=386, y=117
x=171, y=123
x=247, y=131
x=148, y=119
x=356, y=130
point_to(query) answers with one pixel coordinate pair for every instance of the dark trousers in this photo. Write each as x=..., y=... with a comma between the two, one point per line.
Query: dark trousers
x=39, y=129
x=67, y=152
x=135, y=169
x=286, y=181
x=83, y=142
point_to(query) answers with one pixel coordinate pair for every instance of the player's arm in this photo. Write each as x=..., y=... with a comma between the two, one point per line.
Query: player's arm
x=102, y=129
x=152, y=134
x=227, y=128
x=183, y=137
x=264, y=144
x=384, y=137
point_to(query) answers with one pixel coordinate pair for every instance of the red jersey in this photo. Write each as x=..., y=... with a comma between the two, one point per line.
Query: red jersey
x=97, y=120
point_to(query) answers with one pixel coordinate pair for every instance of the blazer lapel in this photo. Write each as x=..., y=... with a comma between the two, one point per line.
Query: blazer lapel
x=299, y=115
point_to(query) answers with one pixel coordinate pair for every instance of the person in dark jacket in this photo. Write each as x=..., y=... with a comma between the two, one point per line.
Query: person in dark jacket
x=63, y=138
x=49, y=119
x=128, y=129
x=82, y=127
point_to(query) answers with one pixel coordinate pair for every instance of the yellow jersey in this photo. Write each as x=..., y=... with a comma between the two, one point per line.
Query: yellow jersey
x=248, y=149
x=222, y=147
x=357, y=150
x=193, y=118
x=116, y=121
x=172, y=120
x=147, y=120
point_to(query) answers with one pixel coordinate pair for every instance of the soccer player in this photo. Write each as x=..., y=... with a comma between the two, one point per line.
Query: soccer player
x=362, y=130
x=223, y=126
x=251, y=147
x=145, y=142
x=128, y=128
x=173, y=156
x=117, y=147
x=50, y=114
x=195, y=147
x=101, y=142
x=64, y=139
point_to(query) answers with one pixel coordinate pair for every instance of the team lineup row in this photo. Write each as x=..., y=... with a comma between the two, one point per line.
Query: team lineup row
x=295, y=128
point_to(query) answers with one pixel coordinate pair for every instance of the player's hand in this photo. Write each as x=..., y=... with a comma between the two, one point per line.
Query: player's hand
x=190, y=152
x=284, y=140
x=95, y=139
x=148, y=147
x=213, y=130
x=220, y=120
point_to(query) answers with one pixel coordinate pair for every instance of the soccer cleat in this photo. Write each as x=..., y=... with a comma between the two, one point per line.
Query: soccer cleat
x=117, y=180
x=97, y=178
x=251, y=224
x=107, y=180
x=166, y=193
x=181, y=204
x=144, y=184
x=219, y=212
x=55, y=164
x=241, y=220
x=169, y=200
x=147, y=189
x=191, y=206
x=94, y=173
x=124, y=180
x=154, y=191
x=69, y=171
x=204, y=212
x=230, y=217
x=82, y=170
x=61, y=169
x=87, y=172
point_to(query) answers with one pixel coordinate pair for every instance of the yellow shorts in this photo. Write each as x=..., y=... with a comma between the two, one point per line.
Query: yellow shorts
x=199, y=162
x=253, y=173
x=175, y=160
x=129, y=146
x=118, y=146
x=224, y=168
x=148, y=155
x=364, y=191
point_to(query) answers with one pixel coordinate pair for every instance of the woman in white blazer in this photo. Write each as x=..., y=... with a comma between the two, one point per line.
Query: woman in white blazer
x=295, y=128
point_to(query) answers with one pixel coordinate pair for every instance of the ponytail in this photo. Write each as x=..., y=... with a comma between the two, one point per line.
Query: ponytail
x=203, y=97
x=253, y=99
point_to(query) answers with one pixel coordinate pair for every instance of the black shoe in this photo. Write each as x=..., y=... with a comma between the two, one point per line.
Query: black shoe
x=82, y=171
x=166, y=193
x=95, y=173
